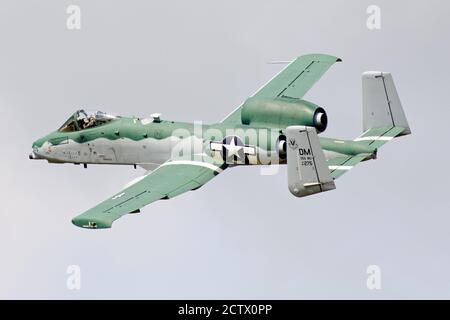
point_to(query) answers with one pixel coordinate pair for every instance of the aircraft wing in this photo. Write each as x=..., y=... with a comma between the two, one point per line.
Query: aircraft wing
x=293, y=81
x=167, y=181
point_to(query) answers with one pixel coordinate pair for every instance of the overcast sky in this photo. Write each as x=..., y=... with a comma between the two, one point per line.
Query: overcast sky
x=243, y=235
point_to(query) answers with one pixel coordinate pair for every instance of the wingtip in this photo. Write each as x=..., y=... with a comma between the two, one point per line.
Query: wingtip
x=90, y=224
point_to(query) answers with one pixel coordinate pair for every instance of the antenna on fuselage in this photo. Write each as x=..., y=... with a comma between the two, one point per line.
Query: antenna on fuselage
x=156, y=117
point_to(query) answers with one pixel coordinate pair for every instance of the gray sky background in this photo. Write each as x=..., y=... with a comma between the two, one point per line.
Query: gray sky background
x=198, y=60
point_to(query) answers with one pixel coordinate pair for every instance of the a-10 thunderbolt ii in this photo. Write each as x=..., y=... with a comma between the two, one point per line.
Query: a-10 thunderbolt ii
x=274, y=126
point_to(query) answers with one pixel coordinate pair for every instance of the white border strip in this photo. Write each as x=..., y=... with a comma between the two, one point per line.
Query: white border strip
x=374, y=138
x=340, y=167
x=193, y=163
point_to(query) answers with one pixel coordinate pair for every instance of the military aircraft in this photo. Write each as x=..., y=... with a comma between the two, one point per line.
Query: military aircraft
x=273, y=126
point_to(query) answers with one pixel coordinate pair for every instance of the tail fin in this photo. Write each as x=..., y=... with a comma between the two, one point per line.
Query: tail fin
x=308, y=171
x=383, y=120
x=383, y=115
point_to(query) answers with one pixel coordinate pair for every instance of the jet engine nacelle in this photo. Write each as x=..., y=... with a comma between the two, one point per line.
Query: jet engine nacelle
x=281, y=147
x=283, y=112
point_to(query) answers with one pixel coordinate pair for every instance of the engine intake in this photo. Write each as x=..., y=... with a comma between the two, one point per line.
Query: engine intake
x=283, y=112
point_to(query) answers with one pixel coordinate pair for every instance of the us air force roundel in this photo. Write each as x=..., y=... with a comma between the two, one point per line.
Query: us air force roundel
x=233, y=151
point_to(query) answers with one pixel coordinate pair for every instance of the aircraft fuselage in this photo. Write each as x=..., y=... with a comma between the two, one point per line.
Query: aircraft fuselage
x=150, y=142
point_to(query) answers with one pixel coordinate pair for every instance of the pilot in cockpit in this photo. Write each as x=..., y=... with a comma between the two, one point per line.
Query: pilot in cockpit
x=88, y=122
x=81, y=120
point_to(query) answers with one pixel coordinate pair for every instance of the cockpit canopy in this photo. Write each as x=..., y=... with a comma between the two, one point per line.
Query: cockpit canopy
x=81, y=120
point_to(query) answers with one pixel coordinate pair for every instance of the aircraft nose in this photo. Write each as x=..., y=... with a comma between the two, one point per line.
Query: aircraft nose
x=34, y=153
x=33, y=156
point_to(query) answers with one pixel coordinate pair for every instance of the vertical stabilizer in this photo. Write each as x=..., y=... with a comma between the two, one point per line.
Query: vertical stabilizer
x=381, y=104
x=308, y=171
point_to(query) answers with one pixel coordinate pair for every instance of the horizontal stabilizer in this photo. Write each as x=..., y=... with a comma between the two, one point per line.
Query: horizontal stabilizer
x=376, y=137
x=383, y=120
x=340, y=165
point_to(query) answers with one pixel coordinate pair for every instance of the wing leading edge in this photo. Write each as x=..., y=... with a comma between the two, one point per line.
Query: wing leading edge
x=172, y=178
